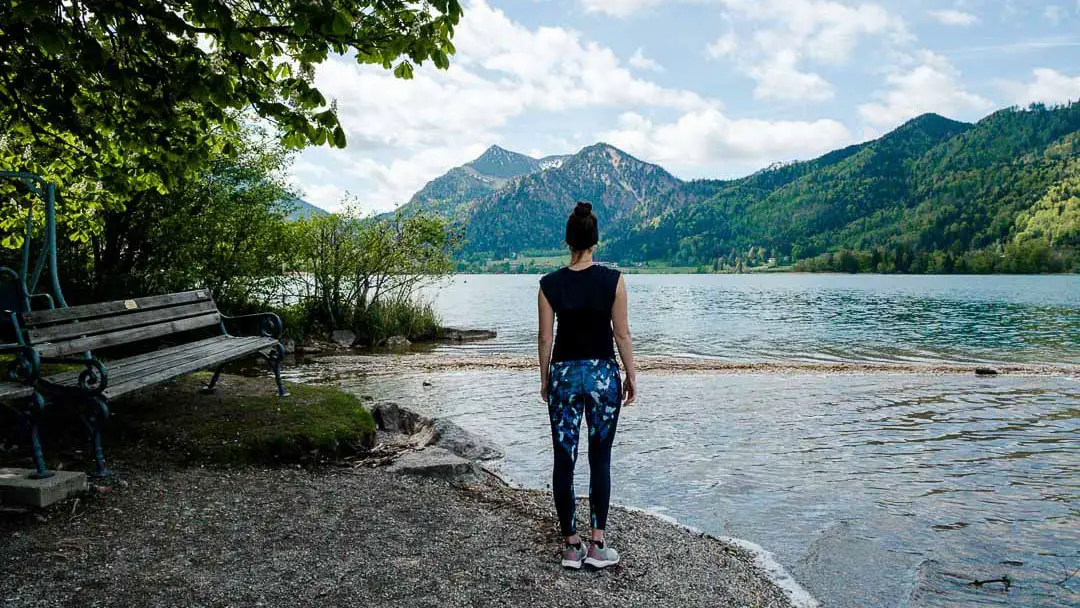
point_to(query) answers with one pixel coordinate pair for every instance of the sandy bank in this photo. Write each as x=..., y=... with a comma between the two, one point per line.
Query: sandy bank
x=331, y=366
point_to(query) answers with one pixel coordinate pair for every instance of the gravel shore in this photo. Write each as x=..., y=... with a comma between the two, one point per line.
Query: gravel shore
x=346, y=537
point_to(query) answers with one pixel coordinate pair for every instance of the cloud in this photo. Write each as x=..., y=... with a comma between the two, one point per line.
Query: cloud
x=618, y=8
x=1054, y=14
x=403, y=133
x=784, y=36
x=954, y=17
x=640, y=61
x=779, y=78
x=723, y=46
x=1049, y=87
x=931, y=86
x=705, y=138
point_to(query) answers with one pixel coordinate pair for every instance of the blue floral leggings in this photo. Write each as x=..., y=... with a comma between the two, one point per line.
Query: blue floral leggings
x=591, y=387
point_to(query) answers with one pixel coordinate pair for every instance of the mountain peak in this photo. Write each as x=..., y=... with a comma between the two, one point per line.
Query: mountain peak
x=502, y=163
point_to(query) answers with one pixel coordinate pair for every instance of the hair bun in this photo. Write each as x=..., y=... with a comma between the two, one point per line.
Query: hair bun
x=583, y=209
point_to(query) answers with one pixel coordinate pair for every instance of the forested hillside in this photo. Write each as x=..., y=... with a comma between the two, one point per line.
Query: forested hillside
x=935, y=195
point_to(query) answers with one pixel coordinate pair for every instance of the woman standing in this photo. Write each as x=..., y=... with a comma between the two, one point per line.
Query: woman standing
x=580, y=376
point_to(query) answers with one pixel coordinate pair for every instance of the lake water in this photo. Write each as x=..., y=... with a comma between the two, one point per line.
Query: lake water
x=871, y=489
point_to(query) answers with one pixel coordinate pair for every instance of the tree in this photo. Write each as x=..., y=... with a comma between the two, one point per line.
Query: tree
x=347, y=265
x=113, y=98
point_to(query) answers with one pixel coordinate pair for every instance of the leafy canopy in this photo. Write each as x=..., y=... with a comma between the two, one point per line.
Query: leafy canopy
x=112, y=98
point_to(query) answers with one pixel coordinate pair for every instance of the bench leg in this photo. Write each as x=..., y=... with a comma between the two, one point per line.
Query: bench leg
x=274, y=358
x=94, y=419
x=32, y=416
x=209, y=388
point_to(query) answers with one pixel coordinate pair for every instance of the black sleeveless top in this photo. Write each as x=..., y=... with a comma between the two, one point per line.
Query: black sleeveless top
x=582, y=300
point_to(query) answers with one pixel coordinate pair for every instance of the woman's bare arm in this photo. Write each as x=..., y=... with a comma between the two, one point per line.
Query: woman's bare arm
x=620, y=324
x=547, y=322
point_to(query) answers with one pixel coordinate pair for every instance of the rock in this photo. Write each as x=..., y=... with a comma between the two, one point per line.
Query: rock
x=427, y=383
x=985, y=371
x=308, y=350
x=433, y=462
x=452, y=437
x=397, y=342
x=343, y=337
x=465, y=335
x=392, y=418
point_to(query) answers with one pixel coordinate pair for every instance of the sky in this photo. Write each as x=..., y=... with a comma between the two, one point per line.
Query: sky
x=704, y=88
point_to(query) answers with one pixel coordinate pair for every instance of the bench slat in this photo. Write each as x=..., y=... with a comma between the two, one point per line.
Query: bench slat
x=102, y=325
x=9, y=391
x=121, y=370
x=127, y=336
x=71, y=313
x=237, y=351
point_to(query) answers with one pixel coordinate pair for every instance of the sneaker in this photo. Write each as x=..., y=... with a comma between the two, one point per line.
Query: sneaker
x=573, y=556
x=601, y=557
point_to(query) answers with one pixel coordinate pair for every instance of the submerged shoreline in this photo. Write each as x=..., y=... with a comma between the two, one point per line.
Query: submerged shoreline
x=382, y=363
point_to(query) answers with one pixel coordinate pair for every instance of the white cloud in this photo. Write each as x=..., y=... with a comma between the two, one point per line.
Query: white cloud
x=325, y=196
x=783, y=35
x=1049, y=87
x=954, y=17
x=1054, y=13
x=822, y=30
x=640, y=61
x=618, y=8
x=403, y=133
x=723, y=46
x=931, y=86
x=779, y=78
x=708, y=137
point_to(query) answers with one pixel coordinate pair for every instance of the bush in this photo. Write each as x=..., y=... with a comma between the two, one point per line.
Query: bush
x=412, y=318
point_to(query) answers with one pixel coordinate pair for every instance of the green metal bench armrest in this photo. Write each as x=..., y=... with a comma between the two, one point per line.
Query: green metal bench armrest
x=269, y=323
x=48, y=298
x=93, y=380
x=26, y=367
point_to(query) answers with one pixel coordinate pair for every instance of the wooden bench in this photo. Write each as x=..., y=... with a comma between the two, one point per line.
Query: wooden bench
x=197, y=336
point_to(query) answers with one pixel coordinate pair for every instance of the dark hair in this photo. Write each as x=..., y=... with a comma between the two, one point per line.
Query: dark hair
x=581, y=230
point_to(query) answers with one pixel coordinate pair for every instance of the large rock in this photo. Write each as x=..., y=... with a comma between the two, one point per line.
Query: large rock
x=393, y=418
x=464, y=335
x=422, y=431
x=343, y=337
x=434, y=462
x=398, y=342
x=452, y=437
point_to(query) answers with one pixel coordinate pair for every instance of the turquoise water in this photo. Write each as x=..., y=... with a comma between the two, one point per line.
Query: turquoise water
x=806, y=317
x=892, y=490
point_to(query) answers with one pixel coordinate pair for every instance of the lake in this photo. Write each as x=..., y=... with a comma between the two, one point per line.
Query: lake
x=872, y=489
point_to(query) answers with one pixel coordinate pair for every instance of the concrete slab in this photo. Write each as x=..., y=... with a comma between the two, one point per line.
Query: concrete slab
x=17, y=488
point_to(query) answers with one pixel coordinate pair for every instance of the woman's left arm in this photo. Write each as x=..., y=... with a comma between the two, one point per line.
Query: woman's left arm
x=545, y=340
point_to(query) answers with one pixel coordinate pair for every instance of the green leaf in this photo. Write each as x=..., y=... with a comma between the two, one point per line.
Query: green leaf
x=339, y=137
x=404, y=70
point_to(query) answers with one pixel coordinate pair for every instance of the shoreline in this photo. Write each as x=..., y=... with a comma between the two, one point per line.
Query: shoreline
x=391, y=363
x=763, y=559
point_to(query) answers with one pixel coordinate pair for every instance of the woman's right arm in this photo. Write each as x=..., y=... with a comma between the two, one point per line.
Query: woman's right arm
x=620, y=324
x=544, y=340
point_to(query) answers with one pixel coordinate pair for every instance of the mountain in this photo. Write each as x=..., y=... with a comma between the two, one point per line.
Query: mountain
x=530, y=212
x=299, y=209
x=934, y=195
x=452, y=193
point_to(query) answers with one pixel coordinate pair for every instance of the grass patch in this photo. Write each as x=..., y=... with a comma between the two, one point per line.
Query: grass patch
x=243, y=422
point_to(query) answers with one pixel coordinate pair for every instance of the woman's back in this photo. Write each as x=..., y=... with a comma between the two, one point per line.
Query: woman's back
x=582, y=301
